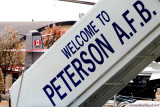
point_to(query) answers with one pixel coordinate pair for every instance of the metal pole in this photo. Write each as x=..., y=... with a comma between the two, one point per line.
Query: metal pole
x=20, y=87
x=114, y=105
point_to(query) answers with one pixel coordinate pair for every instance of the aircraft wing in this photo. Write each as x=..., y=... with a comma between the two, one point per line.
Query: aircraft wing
x=155, y=76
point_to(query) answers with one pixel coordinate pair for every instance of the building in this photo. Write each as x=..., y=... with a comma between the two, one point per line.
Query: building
x=24, y=29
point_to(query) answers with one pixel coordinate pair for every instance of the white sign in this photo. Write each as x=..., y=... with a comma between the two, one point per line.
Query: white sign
x=87, y=51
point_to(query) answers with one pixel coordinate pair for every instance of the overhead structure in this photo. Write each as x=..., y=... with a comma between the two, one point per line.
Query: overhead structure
x=80, y=2
x=96, y=58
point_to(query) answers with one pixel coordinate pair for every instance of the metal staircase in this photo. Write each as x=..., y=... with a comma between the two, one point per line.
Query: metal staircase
x=127, y=73
x=95, y=59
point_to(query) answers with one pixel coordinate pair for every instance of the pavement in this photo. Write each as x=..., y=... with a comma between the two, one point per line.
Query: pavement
x=4, y=104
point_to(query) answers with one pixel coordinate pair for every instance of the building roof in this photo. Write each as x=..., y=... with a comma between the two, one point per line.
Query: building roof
x=58, y=24
x=24, y=27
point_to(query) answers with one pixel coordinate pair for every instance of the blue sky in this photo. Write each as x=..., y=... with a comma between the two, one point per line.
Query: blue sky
x=41, y=10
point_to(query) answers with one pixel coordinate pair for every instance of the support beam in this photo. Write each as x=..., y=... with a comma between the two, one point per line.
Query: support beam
x=144, y=56
x=114, y=84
